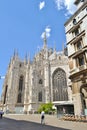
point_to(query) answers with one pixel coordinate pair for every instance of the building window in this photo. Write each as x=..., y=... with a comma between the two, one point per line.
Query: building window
x=40, y=81
x=20, y=65
x=21, y=83
x=76, y=32
x=59, y=85
x=40, y=96
x=20, y=89
x=74, y=21
x=79, y=45
x=19, y=98
x=81, y=60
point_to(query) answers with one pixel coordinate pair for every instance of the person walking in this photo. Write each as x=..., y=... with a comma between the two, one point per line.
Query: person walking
x=1, y=113
x=42, y=117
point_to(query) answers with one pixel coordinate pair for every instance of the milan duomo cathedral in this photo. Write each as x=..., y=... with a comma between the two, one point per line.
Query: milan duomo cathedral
x=28, y=84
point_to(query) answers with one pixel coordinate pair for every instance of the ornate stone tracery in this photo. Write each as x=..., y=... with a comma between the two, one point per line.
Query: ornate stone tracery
x=32, y=83
x=20, y=89
x=59, y=85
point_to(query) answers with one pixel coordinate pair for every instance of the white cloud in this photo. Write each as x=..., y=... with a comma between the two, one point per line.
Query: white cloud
x=2, y=77
x=47, y=30
x=68, y=4
x=59, y=4
x=42, y=5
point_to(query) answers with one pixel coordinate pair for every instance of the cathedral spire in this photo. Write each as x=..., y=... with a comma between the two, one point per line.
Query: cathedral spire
x=54, y=47
x=45, y=40
x=63, y=47
x=15, y=55
x=14, y=52
x=29, y=58
x=25, y=60
x=55, y=53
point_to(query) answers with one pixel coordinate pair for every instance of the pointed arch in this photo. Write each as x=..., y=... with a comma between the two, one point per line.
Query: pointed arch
x=40, y=96
x=60, y=92
x=20, y=89
x=21, y=83
x=19, y=100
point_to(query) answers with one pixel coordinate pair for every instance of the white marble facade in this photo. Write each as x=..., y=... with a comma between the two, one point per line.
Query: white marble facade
x=30, y=83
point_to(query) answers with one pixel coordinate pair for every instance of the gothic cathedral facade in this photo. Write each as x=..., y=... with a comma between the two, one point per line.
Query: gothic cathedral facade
x=29, y=84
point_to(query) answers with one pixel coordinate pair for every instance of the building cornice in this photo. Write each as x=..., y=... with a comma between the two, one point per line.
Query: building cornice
x=78, y=37
x=77, y=74
x=75, y=54
x=76, y=25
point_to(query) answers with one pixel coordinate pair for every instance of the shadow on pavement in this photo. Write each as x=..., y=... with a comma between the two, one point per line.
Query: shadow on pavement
x=11, y=124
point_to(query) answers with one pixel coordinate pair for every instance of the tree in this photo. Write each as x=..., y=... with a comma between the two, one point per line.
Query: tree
x=47, y=108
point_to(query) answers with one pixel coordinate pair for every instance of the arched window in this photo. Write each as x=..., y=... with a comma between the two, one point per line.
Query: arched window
x=19, y=98
x=59, y=85
x=40, y=96
x=20, y=90
x=21, y=83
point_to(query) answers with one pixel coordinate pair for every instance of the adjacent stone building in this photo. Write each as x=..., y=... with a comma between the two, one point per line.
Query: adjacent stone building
x=76, y=35
x=44, y=79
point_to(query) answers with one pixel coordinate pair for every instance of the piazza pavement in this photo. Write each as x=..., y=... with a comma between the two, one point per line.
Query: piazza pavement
x=50, y=120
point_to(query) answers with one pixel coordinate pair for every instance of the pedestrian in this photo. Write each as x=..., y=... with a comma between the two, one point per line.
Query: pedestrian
x=1, y=113
x=42, y=117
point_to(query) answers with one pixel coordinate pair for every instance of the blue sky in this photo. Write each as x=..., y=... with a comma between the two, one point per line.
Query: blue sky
x=23, y=22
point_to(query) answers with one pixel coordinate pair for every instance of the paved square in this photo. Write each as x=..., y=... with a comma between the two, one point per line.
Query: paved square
x=11, y=124
x=32, y=122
